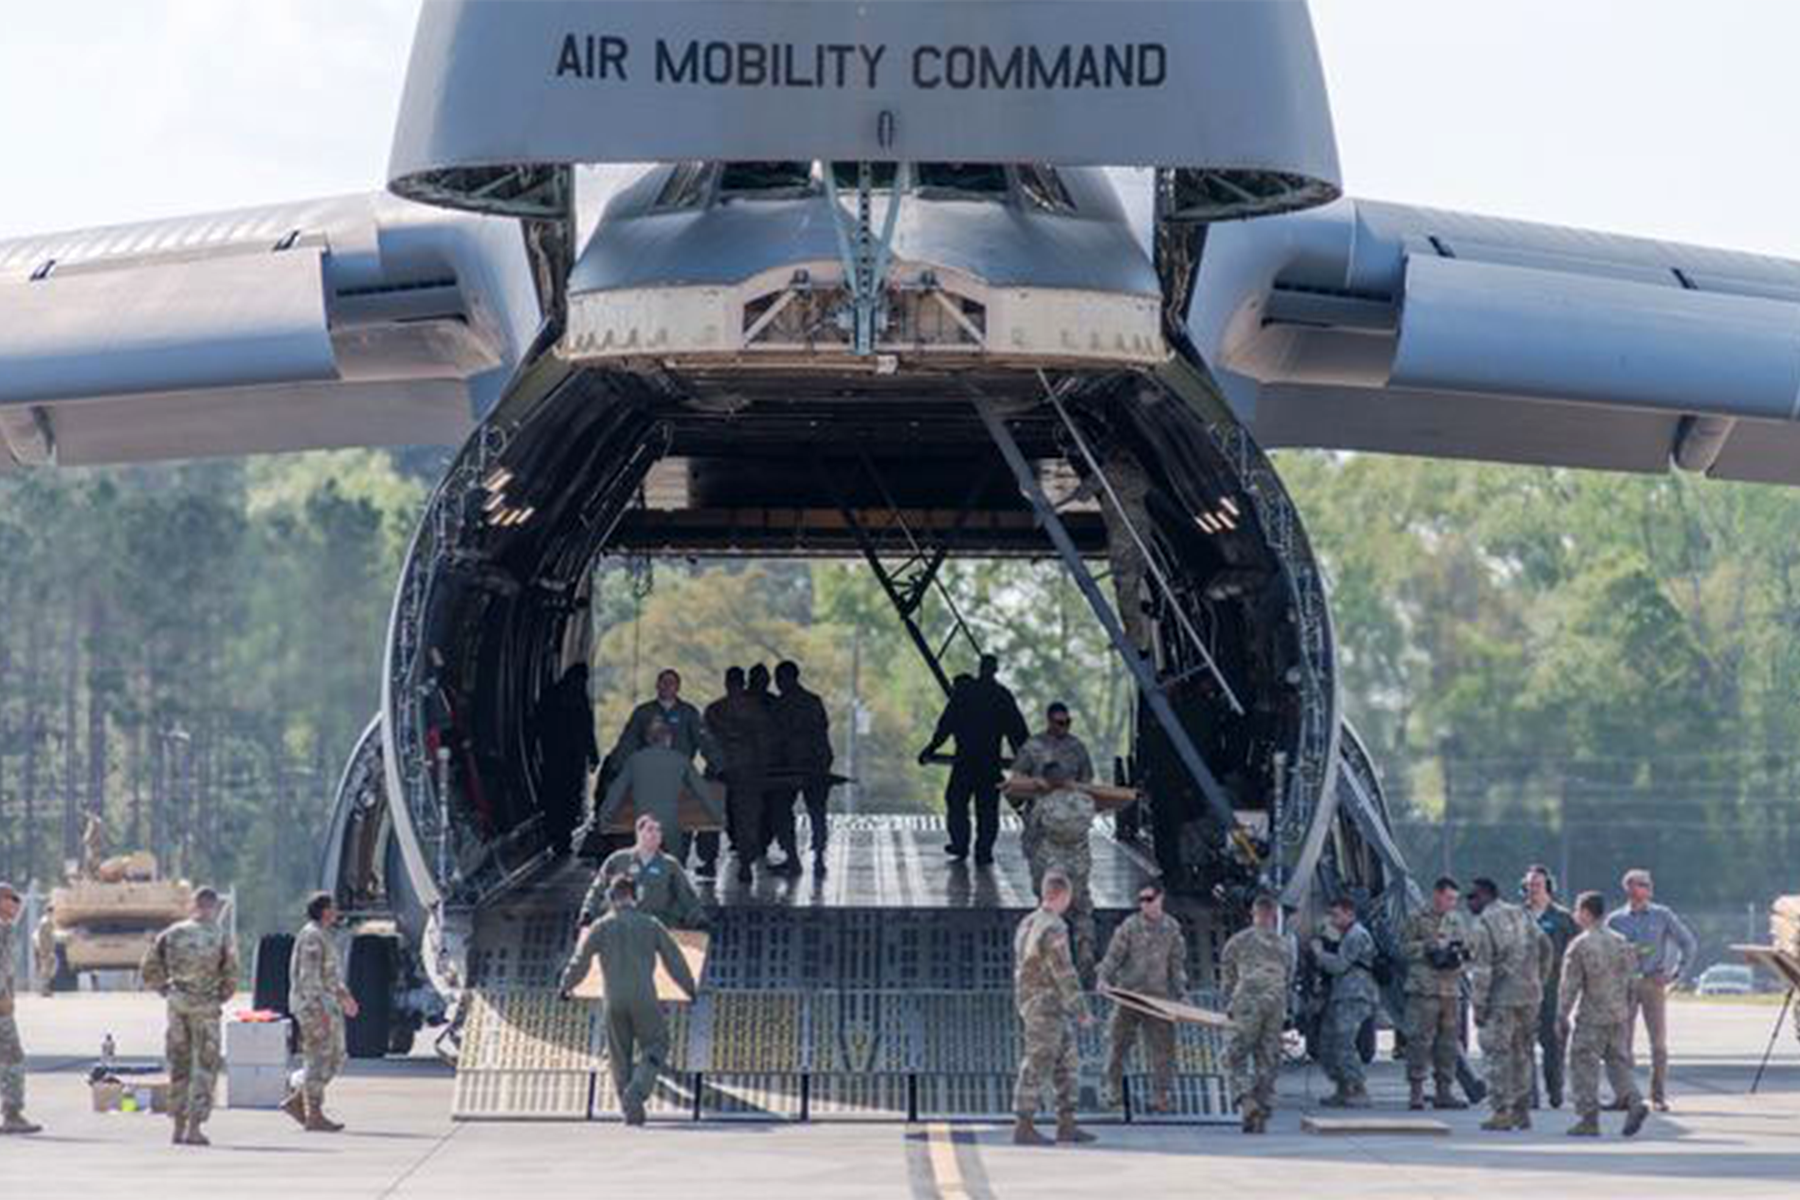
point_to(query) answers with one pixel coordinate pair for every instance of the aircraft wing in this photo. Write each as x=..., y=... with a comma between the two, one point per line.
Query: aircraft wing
x=1373, y=326
x=358, y=320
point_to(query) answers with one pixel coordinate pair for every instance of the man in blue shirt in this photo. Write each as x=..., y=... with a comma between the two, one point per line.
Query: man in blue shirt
x=1666, y=948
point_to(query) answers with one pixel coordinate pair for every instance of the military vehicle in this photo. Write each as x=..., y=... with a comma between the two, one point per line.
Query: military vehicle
x=107, y=922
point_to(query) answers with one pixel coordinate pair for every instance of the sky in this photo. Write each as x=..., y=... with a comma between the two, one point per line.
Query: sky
x=1664, y=118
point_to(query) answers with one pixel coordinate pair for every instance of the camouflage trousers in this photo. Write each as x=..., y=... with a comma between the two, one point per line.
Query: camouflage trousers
x=45, y=968
x=1432, y=1038
x=1253, y=1053
x=1338, y=1032
x=12, y=1068
x=1128, y=579
x=322, y=1048
x=1506, y=1044
x=1128, y=1026
x=1593, y=1045
x=191, y=1047
x=1048, y=1058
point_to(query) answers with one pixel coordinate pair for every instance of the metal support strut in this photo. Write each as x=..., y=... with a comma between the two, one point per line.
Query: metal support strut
x=1158, y=578
x=908, y=585
x=1141, y=671
x=865, y=254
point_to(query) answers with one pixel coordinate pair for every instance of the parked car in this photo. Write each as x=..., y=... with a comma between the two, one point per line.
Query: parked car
x=1725, y=979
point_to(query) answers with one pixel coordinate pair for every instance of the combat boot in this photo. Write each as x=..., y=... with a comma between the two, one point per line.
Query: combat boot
x=1500, y=1122
x=1416, y=1098
x=15, y=1123
x=1635, y=1121
x=180, y=1135
x=295, y=1107
x=1025, y=1134
x=1358, y=1097
x=1445, y=1099
x=1337, y=1099
x=1262, y=1121
x=318, y=1122
x=1522, y=1118
x=1068, y=1131
x=1588, y=1126
x=195, y=1137
x=1251, y=1113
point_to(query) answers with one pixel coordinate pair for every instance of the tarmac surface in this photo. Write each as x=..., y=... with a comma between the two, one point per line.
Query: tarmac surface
x=1719, y=1142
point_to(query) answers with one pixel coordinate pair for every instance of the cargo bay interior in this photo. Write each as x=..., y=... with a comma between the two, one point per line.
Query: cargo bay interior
x=819, y=1000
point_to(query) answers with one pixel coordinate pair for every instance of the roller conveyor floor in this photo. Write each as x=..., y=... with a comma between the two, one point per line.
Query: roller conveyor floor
x=882, y=992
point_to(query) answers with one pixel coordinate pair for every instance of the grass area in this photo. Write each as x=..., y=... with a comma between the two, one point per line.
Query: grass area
x=1756, y=1000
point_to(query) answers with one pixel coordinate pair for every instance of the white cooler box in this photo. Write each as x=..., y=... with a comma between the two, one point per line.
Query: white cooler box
x=256, y=1063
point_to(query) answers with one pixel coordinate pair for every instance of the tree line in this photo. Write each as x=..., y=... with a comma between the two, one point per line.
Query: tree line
x=1587, y=670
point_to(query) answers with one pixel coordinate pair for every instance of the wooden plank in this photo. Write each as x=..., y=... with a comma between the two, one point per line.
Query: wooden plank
x=696, y=815
x=1373, y=1126
x=1105, y=796
x=1169, y=1010
x=694, y=945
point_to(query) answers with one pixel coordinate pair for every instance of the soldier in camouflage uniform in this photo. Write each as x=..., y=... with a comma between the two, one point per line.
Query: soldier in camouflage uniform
x=1128, y=527
x=1256, y=968
x=1148, y=955
x=1055, y=745
x=320, y=1003
x=43, y=952
x=12, y=1054
x=805, y=740
x=628, y=944
x=1062, y=821
x=1597, y=975
x=1511, y=958
x=1435, y=944
x=1351, y=968
x=193, y=964
x=1048, y=996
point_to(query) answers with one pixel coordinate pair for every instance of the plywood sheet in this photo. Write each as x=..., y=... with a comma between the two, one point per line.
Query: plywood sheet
x=693, y=944
x=1168, y=1010
x=697, y=814
x=1374, y=1126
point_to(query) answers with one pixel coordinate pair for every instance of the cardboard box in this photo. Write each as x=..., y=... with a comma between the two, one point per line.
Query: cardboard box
x=147, y=1094
x=255, y=1087
x=256, y=1043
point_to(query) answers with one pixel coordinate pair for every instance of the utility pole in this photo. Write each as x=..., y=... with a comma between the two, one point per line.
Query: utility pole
x=853, y=791
x=1562, y=819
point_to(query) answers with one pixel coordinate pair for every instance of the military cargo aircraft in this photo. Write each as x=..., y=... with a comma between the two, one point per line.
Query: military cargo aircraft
x=860, y=281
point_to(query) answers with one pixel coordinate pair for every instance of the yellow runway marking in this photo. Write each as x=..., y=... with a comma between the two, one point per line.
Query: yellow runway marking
x=943, y=1162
